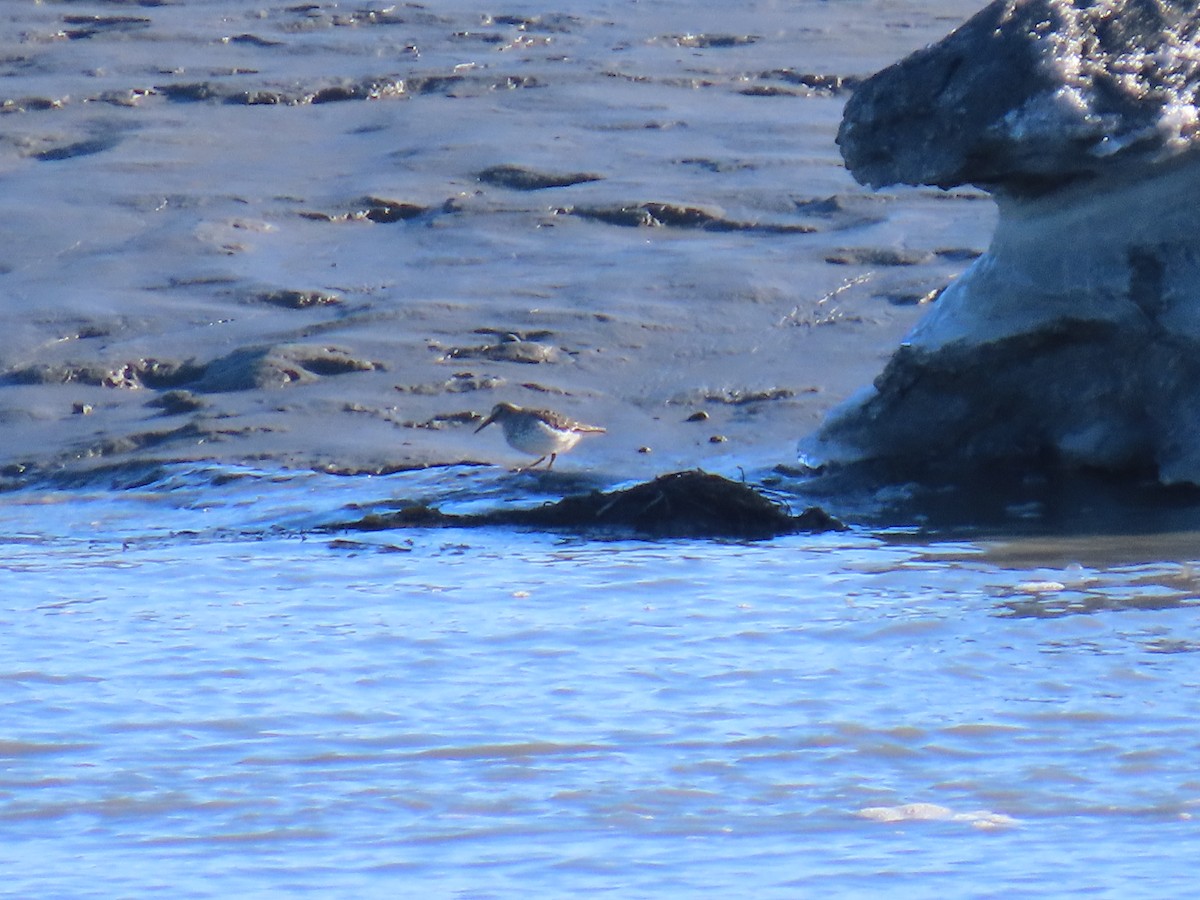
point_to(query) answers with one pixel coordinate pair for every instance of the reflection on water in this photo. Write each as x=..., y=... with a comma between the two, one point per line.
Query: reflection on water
x=195, y=681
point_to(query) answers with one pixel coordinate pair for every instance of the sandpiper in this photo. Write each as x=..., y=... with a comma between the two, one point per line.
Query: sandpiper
x=539, y=432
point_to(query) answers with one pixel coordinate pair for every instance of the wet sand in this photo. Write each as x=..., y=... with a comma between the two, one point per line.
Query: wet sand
x=334, y=237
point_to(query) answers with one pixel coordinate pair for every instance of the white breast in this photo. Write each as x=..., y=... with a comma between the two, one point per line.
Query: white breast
x=538, y=439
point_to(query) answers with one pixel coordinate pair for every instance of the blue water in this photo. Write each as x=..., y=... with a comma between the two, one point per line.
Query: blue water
x=205, y=695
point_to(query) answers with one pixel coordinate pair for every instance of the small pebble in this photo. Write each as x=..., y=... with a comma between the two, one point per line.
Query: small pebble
x=1041, y=587
x=698, y=416
x=717, y=439
x=81, y=409
x=644, y=450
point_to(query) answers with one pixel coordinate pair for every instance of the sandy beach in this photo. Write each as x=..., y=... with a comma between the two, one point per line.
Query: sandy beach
x=335, y=236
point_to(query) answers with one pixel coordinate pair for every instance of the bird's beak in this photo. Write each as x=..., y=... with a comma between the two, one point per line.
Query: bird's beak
x=486, y=422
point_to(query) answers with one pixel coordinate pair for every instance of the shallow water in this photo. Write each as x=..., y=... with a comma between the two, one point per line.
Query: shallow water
x=205, y=695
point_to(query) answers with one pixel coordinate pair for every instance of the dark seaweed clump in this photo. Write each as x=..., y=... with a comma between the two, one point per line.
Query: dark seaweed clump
x=690, y=504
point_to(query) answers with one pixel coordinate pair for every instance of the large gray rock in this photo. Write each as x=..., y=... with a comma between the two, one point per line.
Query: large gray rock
x=1076, y=337
x=1030, y=95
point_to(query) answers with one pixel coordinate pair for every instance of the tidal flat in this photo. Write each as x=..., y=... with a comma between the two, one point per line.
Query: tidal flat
x=331, y=235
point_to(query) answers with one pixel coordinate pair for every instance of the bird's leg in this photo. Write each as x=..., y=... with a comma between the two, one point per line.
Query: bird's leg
x=550, y=465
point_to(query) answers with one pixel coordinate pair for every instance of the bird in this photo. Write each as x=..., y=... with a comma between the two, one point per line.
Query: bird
x=539, y=432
